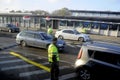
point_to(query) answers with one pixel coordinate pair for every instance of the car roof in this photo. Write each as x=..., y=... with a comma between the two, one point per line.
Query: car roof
x=31, y=31
x=104, y=46
x=69, y=29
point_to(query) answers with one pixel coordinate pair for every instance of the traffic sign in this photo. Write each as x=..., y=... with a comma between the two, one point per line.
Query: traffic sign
x=26, y=17
x=47, y=18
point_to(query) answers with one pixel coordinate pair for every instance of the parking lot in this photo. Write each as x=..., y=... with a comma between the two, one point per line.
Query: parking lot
x=24, y=70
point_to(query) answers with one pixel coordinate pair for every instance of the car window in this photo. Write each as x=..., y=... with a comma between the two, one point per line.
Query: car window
x=37, y=36
x=71, y=32
x=45, y=36
x=65, y=31
x=23, y=34
x=68, y=31
x=11, y=26
x=30, y=35
x=76, y=32
x=104, y=56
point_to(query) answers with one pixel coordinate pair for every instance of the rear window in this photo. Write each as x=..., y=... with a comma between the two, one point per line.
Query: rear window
x=105, y=56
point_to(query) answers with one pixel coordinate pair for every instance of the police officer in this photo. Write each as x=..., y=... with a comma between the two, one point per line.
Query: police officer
x=50, y=30
x=53, y=58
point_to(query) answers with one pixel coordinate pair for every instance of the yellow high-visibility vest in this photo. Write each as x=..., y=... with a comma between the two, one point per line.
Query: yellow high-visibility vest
x=50, y=31
x=52, y=50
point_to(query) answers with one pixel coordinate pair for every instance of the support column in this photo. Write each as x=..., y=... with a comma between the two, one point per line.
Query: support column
x=118, y=30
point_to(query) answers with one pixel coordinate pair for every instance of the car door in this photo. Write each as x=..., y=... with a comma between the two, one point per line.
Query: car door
x=29, y=39
x=39, y=41
x=66, y=34
x=72, y=35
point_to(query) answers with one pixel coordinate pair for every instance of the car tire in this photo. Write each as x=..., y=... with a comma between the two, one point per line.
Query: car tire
x=60, y=37
x=84, y=74
x=81, y=39
x=23, y=44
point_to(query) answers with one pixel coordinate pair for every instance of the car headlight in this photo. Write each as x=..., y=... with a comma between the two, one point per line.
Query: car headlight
x=60, y=44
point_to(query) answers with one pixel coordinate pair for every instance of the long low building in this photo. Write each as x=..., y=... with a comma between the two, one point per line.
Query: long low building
x=95, y=22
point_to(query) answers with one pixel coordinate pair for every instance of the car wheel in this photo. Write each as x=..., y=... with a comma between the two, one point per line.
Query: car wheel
x=60, y=37
x=81, y=39
x=84, y=74
x=10, y=30
x=23, y=44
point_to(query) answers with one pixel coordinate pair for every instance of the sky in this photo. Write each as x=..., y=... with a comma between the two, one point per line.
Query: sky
x=51, y=5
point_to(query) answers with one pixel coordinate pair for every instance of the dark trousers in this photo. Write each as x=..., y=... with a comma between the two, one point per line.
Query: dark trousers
x=54, y=70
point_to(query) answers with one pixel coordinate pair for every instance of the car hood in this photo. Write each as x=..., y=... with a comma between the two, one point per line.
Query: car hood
x=59, y=41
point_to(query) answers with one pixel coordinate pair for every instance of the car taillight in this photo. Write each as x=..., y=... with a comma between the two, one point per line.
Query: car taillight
x=80, y=54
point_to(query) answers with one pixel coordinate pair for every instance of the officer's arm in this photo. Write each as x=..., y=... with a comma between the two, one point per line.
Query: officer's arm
x=54, y=57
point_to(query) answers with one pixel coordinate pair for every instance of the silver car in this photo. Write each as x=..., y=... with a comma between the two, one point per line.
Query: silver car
x=71, y=34
x=98, y=61
x=37, y=39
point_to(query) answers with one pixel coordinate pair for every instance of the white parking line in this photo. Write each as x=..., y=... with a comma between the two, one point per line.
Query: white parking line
x=11, y=61
x=38, y=72
x=65, y=77
x=16, y=67
x=32, y=73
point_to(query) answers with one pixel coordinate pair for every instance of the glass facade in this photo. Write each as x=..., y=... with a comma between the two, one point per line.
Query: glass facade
x=39, y=21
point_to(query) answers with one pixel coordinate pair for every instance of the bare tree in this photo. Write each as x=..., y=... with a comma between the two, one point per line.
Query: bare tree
x=19, y=11
x=12, y=11
x=40, y=12
x=62, y=12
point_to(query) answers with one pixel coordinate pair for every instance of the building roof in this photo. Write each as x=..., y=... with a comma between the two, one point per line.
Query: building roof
x=90, y=11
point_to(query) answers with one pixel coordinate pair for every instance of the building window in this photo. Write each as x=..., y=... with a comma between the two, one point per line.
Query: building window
x=86, y=24
x=95, y=25
x=62, y=23
x=113, y=27
x=103, y=26
x=70, y=23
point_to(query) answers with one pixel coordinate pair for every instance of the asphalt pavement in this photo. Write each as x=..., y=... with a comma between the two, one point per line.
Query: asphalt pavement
x=104, y=38
x=6, y=42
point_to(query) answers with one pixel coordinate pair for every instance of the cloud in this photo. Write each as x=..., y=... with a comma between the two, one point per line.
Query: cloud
x=54, y=1
x=10, y=5
x=7, y=1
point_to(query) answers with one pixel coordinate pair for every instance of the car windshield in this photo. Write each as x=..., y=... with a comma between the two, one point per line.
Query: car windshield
x=46, y=36
x=10, y=25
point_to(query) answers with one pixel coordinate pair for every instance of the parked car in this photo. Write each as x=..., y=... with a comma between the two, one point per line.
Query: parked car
x=37, y=39
x=71, y=34
x=9, y=28
x=98, y=60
